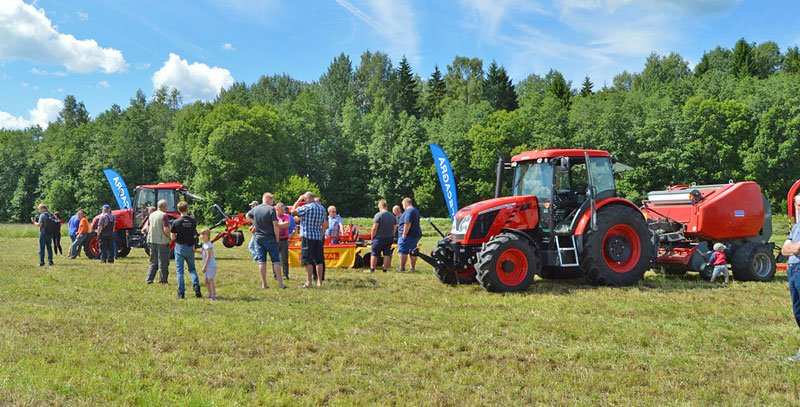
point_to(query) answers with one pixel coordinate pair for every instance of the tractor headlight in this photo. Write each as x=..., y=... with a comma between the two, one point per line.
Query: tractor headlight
x=461, y=226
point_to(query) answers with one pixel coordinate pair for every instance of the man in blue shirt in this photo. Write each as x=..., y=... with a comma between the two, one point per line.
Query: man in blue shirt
x=73, y=224
x=791, y=248
x=313, y=220
x=408, y=234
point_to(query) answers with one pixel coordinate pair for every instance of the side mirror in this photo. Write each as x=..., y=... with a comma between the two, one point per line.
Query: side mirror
x=564, y=164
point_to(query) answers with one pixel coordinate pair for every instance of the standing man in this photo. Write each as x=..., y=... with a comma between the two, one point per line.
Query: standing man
x=397, y=212
x=73, y=224
x=158, y=240
x=791, y=248
x=105, y=234
x=265, y=222
x=184, y=233
x=409, y=234
x=81, y=234
x=46, y=227
x=312, y=222
x=384, y=226
x=335, y=223
x=286, y=225
x=252, y=245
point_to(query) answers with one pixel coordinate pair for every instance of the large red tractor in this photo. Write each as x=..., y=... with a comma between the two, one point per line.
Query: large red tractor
x=565, y=218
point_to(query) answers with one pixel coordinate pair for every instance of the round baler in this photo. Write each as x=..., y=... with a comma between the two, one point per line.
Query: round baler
x=688, y=220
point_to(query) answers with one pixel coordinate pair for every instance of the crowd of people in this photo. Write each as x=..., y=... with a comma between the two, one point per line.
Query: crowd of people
x=272, y=225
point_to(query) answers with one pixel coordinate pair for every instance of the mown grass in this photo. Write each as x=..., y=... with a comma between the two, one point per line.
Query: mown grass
x=83, y=333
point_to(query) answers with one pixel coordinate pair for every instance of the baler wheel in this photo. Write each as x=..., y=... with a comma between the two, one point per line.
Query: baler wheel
x=229, y=240
x=507, y=263
x=618, y=253
x=753, y=262
x=239, y=237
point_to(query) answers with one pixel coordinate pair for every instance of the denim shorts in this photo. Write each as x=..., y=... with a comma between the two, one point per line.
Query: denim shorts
x=407, y=245
x=266, y=246
x=382, y=247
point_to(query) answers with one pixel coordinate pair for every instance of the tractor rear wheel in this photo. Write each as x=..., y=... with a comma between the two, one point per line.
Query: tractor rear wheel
x=91, y=247
x=753, y=262
x=618, y=252
x=507, y=263
x=122, y=244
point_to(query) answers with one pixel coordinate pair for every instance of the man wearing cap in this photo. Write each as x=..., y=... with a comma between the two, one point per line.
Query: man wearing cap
x=105, y=234
x=791, y=248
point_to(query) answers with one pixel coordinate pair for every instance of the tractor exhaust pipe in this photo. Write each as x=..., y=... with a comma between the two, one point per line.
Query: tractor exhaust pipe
x=435, y=228
x=501, y=165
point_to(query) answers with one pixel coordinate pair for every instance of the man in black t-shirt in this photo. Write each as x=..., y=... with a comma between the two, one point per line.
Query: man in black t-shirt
x=184, y=233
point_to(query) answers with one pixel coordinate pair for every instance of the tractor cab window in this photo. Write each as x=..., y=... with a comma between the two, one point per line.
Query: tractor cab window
x=573, y=178
x=534, y=178
x=144, y=198
x=168, y=195
x=602, y=174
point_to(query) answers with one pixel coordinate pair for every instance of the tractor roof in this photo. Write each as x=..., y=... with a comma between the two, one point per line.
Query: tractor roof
x=164, y=185
x=557, y=152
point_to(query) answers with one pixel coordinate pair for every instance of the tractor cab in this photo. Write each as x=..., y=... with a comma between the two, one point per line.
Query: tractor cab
x=565, y=183
x=145, y=196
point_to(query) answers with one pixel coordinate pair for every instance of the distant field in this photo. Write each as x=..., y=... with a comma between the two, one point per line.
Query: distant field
x=83, y=333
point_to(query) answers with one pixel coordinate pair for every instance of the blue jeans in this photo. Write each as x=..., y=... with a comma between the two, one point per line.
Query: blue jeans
x=793, y=272
x=45, y=241
x=184, y=252
x=265, y=246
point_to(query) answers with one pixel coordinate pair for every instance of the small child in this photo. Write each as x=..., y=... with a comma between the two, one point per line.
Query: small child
x=719, y=262
x=209, y=263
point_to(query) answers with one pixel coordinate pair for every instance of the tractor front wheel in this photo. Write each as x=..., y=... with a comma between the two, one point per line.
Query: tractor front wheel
x=618, y=252
x=507, y=263
x=91, y=248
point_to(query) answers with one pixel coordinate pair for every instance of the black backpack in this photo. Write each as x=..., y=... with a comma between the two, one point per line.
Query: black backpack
x=51, y=224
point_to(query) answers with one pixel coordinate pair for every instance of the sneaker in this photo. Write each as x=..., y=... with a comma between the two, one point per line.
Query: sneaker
x=149, y=282
x=181, y=296
x=285, y=277
x=401, y=270
x=51, y=264
x=384, y=270
x=412, y=270
x=41, y=264
x=369, y=271
x=198, y=294
x=305, y=286
x=795, y=357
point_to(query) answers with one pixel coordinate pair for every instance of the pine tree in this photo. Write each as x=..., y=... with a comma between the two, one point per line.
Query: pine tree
x=499, y=90
x=559, y=87
x=434, y=93
x=744, y=63
x=586, y=88
x=408, y=98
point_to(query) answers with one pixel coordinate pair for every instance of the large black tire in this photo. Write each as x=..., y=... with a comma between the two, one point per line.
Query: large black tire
x=618, y=253
x=705, y=274
x=229, y=240
x=507, y=263
x=753, y=262
x=358, y=263
x=445, y=274
x=561, y=273
x=239, y=237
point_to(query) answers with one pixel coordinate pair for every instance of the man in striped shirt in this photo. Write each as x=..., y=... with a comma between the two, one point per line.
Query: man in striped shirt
x=313, y=221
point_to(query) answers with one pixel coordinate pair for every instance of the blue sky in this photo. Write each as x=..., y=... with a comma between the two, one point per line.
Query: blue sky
x=103, y=51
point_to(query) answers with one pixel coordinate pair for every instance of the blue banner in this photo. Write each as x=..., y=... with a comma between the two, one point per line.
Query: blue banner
x=119, y=188
x=446, y=179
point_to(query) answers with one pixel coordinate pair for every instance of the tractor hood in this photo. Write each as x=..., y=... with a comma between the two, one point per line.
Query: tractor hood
x=477, y=223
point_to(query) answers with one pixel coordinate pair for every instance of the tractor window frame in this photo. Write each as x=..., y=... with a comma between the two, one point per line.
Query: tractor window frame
x=527, y=185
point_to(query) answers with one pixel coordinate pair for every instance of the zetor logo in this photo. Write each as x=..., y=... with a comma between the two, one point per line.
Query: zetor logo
x=332, y=256
x=121, y=193
x=448, y=187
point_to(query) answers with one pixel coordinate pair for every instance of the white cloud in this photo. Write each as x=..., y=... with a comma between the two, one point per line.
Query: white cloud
x=195, y=81
x=228, y=46
x=27, y=34
x=83, y=16
x=41, y=72
x=104, y=84
x=142, y=66
x=45, y=112
x=395, y=21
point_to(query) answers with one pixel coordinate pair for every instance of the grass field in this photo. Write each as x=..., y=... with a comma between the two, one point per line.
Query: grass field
x=83, y=333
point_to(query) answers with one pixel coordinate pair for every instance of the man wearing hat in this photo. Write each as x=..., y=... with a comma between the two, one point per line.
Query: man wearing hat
x=105, y=234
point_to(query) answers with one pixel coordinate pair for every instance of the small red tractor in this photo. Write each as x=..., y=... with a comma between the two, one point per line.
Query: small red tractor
x=129, y=221
x=688, y=219
x=565, y=218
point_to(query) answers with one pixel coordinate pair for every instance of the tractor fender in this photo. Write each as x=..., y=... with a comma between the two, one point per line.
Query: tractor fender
x=586, y=216
x=523, y=235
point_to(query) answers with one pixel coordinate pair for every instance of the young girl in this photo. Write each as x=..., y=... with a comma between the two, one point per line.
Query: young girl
x=209, y=263
x=719, y=262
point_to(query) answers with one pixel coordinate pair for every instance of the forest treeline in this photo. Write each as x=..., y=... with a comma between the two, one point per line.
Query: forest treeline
x=360, y=132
